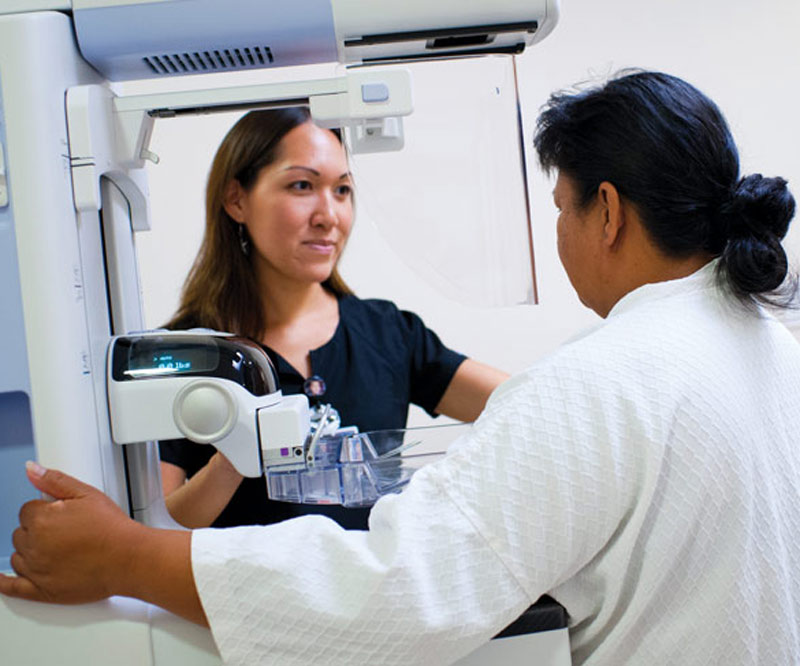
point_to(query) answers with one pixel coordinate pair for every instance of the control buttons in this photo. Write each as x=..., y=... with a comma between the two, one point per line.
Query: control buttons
x=374, y=92
x=204, y=411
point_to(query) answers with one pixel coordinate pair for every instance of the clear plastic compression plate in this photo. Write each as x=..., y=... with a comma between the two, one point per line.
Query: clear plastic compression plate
x=355, y=470
x=453, y=203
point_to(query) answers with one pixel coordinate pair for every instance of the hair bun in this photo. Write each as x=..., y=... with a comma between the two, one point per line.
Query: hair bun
x=760, y=207
x=757, y=217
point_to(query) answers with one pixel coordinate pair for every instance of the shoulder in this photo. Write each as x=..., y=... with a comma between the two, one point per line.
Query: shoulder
x=373, y=314
x=637, y=367
x=352, y=306
x=620, y=361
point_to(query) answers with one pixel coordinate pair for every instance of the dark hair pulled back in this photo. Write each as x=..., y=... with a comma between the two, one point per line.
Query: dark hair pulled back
x=666, y=147
x=756, y=218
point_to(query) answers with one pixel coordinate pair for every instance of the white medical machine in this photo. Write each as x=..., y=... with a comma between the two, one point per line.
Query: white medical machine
x=215, y=388
x=72, y=196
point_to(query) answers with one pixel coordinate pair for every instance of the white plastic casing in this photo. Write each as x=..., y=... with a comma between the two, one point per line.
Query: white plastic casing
x=284, y=428
x=414, y=22
x=360, y=101
x=202, y=409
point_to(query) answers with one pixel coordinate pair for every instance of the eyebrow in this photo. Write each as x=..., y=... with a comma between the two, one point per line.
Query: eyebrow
x=346, y=174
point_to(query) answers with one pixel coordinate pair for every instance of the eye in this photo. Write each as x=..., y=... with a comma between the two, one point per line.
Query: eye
x=300, y=185
x=344, y=190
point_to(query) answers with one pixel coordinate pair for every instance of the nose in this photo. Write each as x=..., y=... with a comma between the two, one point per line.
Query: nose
x=325, y=213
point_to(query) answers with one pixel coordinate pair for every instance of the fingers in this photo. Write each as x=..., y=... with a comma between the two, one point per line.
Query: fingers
x=29, y=510
x=19, y=540
x=21, y=588
x=20, y=567
x=56, y=484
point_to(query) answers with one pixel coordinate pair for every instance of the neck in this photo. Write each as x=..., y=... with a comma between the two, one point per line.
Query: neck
x=285, y=301
x=650, y=268
x=626, y=257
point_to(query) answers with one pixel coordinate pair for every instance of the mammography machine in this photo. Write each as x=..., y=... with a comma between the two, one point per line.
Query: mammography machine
x=72, y=194
x=214, y=388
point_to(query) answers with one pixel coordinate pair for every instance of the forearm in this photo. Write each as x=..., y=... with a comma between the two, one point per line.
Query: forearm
x=199, y=501
x=154, y=565
x=469, y=389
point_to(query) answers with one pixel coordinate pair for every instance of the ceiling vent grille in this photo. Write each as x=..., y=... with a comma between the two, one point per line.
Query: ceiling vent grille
x=203, y=62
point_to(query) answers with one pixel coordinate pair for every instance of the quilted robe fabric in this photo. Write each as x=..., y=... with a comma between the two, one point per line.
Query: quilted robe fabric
x=646, y=475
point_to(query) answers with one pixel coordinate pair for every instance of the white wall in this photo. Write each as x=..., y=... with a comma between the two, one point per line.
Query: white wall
x=744, y=55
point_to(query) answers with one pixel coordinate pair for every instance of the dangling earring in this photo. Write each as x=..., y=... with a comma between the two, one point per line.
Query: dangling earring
x=244, y=241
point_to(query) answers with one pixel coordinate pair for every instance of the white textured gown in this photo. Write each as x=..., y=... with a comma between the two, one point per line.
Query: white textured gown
x=646, y=475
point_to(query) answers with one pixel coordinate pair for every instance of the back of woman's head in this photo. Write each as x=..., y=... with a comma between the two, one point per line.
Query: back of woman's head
x=668, y=150
x=221, y=290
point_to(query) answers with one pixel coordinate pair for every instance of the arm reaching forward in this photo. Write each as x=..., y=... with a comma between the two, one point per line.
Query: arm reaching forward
x=198, y=501
x=469, y=389
x=81, y=547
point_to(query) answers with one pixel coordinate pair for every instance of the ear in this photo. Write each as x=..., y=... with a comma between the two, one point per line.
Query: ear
x=234, y=201
x=611, y=207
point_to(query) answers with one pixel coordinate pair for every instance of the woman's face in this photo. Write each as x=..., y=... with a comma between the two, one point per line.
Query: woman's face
x=299, y=211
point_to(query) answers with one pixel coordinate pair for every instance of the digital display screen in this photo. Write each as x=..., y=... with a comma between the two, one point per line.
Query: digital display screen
x=156, y=358
x=169, y=362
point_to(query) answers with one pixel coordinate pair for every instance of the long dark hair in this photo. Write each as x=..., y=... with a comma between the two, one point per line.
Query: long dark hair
x=221, y=290
x=666, y=147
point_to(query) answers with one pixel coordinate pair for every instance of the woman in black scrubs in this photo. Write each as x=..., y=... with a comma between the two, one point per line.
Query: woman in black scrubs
x=279, y=208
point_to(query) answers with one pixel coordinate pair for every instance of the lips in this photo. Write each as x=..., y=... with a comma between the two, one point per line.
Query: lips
x=321, y=246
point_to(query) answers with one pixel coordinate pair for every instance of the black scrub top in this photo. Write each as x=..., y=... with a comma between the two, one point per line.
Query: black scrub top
x=379, y=360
